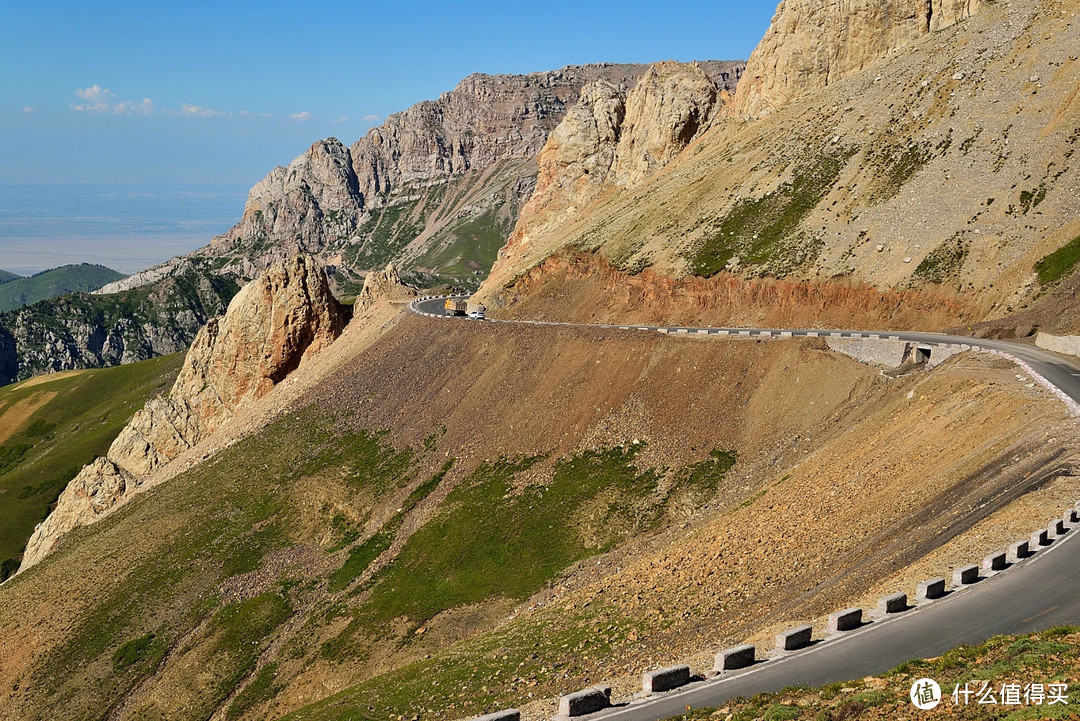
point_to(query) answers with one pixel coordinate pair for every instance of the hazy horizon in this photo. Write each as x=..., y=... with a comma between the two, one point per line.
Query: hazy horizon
x=127, y=227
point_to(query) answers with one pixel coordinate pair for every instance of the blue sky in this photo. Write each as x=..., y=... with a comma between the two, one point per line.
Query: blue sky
x=160, y=96
x=235, y=88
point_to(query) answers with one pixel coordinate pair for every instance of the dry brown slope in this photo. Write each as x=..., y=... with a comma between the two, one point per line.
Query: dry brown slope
x=843, y=443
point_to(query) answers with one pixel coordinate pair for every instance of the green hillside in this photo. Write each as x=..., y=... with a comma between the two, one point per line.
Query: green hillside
x=82, y=278
x=52, y=426
x=6, y=276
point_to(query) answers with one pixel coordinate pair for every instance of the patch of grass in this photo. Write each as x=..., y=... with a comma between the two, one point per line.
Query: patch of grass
x=11, y=454
x=1055, y=266
x=246, y=629
x=942, y=262
x=780, y=712
x=362, y=556
x=146, y=650
x=493, y=541
x=468, y=249
x=260, y=690
x=40, y=427
x=705, y=476
x=548, y=655
x=1030, y=199
x=765, y=231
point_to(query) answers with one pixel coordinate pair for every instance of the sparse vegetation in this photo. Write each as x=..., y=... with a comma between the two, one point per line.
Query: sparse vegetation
x=942, y=262
x=1060, y=263
x=765, y=231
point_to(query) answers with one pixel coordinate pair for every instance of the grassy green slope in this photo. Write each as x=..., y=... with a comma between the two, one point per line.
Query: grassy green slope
x=173, y=550
x=6, y=276
x=57, y=281
x=1047, y=657
x=74, y=418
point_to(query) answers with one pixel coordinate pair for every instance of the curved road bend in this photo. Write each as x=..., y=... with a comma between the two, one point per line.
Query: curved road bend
x=1035, y=593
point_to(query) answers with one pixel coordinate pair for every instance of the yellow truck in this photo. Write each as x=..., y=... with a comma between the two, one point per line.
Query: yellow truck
x=456, y=306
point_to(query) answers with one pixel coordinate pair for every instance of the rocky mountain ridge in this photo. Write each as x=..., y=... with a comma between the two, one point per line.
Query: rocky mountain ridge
x=271, y=327
x=93, y=331
x=944, y=166
x=415, y=185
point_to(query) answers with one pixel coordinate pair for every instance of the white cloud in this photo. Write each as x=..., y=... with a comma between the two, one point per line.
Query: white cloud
x=144, y=107
x=27, y=110
x=98, y=99
x=342, y=119
x=198, y=111
x=302, y=116
x=101, y=100
x=371, y=118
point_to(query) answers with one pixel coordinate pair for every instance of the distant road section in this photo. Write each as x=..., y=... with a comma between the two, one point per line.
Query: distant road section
x=1034, y=593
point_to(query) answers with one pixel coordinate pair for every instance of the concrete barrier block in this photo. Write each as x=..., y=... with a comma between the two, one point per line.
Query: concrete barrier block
x=965, y=574
x=1039, y=538
x=1072, y=516
x=735, y=657
x=994, y=562
x=930, y=588
x=895, y=603
x=665, y=679
x=794, y=638
x=1019, y=550
x=1056, y=527
x=584, y=702
x=510, y=714
x=845, y=620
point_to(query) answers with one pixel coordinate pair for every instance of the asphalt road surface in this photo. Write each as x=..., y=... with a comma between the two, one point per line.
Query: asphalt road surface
x=1035, y=593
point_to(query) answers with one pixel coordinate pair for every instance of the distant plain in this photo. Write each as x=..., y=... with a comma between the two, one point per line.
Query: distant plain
x=125, y=227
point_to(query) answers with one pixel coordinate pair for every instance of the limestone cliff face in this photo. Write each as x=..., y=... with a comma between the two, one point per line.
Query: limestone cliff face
x=814, y=43
x=272, y=325
x=665, y=111
x=613, y=138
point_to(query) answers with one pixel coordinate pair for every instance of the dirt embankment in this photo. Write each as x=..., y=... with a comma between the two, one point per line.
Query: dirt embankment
x=584, y=287
x=845, y=479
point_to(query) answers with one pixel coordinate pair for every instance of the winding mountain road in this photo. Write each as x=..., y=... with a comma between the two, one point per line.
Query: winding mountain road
x=1035, y=593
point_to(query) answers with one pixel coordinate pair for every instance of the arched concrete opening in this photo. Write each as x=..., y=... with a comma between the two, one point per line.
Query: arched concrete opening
x=922, y=354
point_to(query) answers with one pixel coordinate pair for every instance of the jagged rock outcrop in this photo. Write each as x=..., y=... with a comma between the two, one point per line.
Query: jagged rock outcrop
x=303, y=207
x=272, y=325
x=613, y=138
x=671, y=103
x=383, y=284
x=814, y=43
